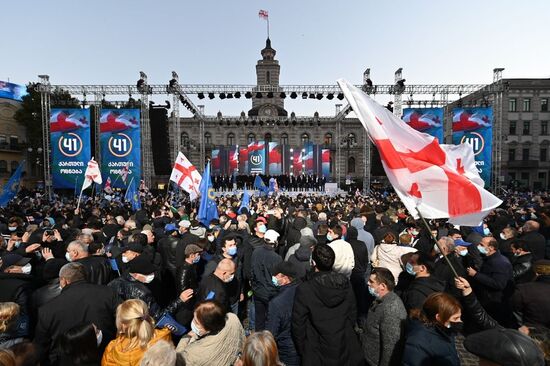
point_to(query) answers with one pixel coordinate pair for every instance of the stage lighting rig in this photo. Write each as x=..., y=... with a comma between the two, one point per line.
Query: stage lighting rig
x=200, y=95
x=211, y=95
x=237, y=95
x=259, y=95
x=340, y=96
x=293, y=95
x=282, y=95
x=248, y=95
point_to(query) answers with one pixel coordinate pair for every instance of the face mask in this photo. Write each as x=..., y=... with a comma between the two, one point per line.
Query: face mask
x=196, y=259
x=414, y=232
x=463, y=252
x=232, y=251
x=502, y=236
x=26, y=269
x=17, y=244
x=410, y=270
x=455, y=327
x=373, y=292
x=12, y=228
x=230, y=278
x=482, y=249
x=516, y=254
x=275, y=281
x=262, y=229
x=150, y=278
x=211, y=238
x=195, y=329
x=486, y=231
x=125, y=259
x=68, y=257
x=99, y=337
x=436, y=249
x=329, y=237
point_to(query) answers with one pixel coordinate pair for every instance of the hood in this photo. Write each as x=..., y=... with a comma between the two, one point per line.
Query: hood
x=303, y=253
x=358, y=223
x=299, y=223
x=352, y=234
x=331, y=288
x=256, y=242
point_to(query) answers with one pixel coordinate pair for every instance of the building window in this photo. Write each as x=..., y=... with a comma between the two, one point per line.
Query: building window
x=351, y=164
x=511, y=154
x=525, y=154
x=328, y=138
x=544, y=128
x=305, y=138
x=512, y=105
x=512, y=127
x=544, y=105
x=14, y=165
x=543, y=154
x=352, y=139
x=512, y=175
x=3, y=140
x=251, y=138
x=268, y=138
x=284, y=139
x=3, y=166
x=207, y=138
x=525, y=176
x=184, y=137
x=230, y=139
x=527, y=105
x=526, y=127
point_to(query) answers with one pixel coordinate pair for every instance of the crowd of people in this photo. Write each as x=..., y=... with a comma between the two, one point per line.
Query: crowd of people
x=302, y=279
x=286, y=182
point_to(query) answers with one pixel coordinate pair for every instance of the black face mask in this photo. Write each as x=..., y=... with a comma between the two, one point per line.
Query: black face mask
x=455, y=328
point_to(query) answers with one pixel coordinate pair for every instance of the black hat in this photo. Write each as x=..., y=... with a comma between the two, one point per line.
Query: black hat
x=287, y=268
x=505, y=347
x=141, y=264
x=134, y=247
x=12, y=259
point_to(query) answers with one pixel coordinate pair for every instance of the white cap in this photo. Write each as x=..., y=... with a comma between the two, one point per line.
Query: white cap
x=271, y=236
x=185, y=224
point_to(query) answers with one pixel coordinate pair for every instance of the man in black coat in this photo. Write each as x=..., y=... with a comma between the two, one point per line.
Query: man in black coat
x=423, y=285
x=361, y=256
x=79, y=302
x=324, y=315
x=167, y=249
x=214, y=286
x=98, y=269
x=185, y=238
x=535, y=240
x=186, y=278
x=531, y=300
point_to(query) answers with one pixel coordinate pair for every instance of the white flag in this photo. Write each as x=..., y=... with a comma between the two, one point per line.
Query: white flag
x=185, y=175
x=92, y=174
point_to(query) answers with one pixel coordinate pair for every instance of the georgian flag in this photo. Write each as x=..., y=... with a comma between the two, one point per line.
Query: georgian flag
x=263, y=14
x=92, y=174
x=185, y=175
x=441, y=181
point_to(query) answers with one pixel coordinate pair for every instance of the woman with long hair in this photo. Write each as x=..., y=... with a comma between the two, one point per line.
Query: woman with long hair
x=80, y=345
x=136, y=333
x=388, y=254
x=431, y=337
x=260, y=349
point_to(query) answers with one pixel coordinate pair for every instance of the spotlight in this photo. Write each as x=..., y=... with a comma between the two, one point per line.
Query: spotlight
x=200, y=95
x=140, y=83
x=319, y=96
x=304, y=95
x=237, y=95
x=318, y=123
x=222, y=95
x=400, y=86
x=211, y=95
x=270, y=95
x=340, y=96
x=389, y=106
x=258, y=95
x=301, y=123
x=237, y=123
x=282, y=95
x=229, y=96
x=221, y=123
x=228, y=122
x=330, y=96
x=311, y=96
x=248, y=95
x=168, y=105
x=293, y=95
x=278, y=123
x=172, y=83
x=369, y=83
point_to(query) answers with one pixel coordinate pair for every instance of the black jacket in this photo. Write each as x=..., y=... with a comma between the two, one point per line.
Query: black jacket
x=301, y=259
x=263, y=260
x=419, y=290
x=250, y=245
x=211, y=284
x=167, y=249
x=522, y=268
x=186, y=277
x=429, y=345
x=360, y=252
x=293, y=236
x=476, y=313
x=537, y=244
x=494, y=277
x=44, y=294
x=183, y=241
x=98, y=269
x=531, y=302
x=78, y=302
x=16, y=287
x=323, y=319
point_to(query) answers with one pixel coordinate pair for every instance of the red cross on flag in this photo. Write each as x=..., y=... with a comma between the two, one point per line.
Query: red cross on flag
x=92, y=174
x=441, y=181
x=185, y=175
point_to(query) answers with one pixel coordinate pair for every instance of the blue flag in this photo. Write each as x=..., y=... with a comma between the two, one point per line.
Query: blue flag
x=133, y=195
x=12, y=186
x=260, y=185
x=246, y=200
x=208, y=210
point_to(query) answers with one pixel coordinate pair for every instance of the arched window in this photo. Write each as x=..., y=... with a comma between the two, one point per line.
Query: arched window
x=328, y=138
x=352, y=139
x=251, y=137
x=207, y=138
x=184, y=139
x=305, y=138
x=3, y=166
x=267, y=77
x=267, y=138
x=351, y=164
x=284, y=139
x=230, y=139
x=14, y=165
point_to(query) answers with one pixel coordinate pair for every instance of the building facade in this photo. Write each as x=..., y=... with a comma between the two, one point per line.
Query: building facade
x=12, y=139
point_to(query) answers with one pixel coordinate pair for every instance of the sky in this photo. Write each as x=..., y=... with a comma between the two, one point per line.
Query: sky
x=317, y=42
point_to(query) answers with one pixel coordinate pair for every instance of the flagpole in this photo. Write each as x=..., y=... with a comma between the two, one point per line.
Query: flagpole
x=268, y=27
x=437, y=243
x=79, y=198
x=126, y=194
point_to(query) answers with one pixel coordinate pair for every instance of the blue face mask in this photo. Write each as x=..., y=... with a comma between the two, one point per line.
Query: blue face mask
x=482, y=249
x=329, y=237
x=486, y=231
x=195, y=329
x=197, y=259
x=232, y=251
x=275, y=281
x=373, y=292
x=410, y=270
x=463, y=252
x=262, y=229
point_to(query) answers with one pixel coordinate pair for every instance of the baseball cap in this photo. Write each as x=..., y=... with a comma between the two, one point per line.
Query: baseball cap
x=170, y=227
x=141, y=264
x=286, y=268
x=261, y=219
x=462, y=243
x=185, y=224
x=134, y=247
x=12, y=259
x=271, y=236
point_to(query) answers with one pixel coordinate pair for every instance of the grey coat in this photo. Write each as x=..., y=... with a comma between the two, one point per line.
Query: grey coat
x=384, y=333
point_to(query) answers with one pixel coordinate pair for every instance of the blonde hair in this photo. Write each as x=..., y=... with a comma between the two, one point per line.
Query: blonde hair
x=8, y=312
x=134, y=323
x=260, y=349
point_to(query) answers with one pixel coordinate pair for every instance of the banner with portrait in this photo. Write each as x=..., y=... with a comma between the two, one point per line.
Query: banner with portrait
x=427, y=120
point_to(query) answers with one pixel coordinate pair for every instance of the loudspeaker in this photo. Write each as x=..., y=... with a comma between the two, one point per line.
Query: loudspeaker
x=158, y=120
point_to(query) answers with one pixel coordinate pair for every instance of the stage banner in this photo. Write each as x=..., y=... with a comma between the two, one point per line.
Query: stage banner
x=297, y=162
x=120, y=143
x=308, y=159
x=216, y=165
x=70, y=144
x=243, y=160
x=474, y=126
x=12, y=91
x=256, y=157
x=275, y=159
x=427, y=120
x=325, y=165
x=233, y=157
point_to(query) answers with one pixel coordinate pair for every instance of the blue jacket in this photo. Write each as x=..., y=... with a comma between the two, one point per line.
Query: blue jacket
x=495, y=276
x=427, y=345
x=279, y=319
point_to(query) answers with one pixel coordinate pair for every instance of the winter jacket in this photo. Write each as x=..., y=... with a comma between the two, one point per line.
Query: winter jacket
x=476, y=313
x=344, y=260
x=429, y=345
x=117, y=353
x=419, y=290
x=212, y=286
x=323, y=319
x=279, y=320
x=389, y=256
x=293, y=236
x=537, y=244
x=362, y=234
x=249, y=246
x=98, y=269
x=494, y=277
x=167, y=249
x=301, y=258
x=263, y=260
x=522, y=268
x=531, y=302
x=360, y=252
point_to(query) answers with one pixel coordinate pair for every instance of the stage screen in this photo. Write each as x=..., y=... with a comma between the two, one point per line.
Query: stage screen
x=256, y=157
x=275, y=158
x=427, y=120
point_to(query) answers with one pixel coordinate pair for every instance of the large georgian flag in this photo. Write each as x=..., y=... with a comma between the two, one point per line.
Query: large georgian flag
x=185, y=175
x=441, y=181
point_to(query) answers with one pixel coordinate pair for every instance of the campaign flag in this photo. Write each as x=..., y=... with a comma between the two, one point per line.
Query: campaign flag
x=233, y=157
x=107, y=188
x=243, y=160
x=260, y=185
x=440, y=181
x=427, y=120
x=245, y=203
x=308, y=158
x=120, y=140
x=185, y=175
x=208, y=210
x=297, y=162
x=263, y=14
x=92, y=175
x=474, y=126
x=70, y=144
x=275, y=158
x=132, y=195
x=12, y=186
x=325, y=162
x=256, y=157
x=216, y=162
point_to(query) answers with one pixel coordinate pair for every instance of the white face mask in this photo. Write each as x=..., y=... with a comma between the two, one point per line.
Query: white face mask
x=230, y=278
x=502, y=236
x=211, y=238
x=68, y=257
x=99, y=337
x=125, y=259
x=436, y=249
x=150, y=278
x=26, y=269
